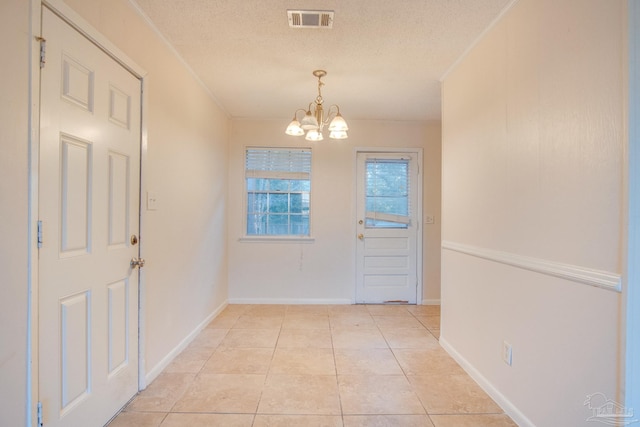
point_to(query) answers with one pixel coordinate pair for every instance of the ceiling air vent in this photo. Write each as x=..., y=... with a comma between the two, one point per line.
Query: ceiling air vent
x=310, y=18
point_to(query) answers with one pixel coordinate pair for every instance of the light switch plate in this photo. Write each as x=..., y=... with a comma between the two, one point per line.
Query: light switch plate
x=152, y=201
x=507, y=353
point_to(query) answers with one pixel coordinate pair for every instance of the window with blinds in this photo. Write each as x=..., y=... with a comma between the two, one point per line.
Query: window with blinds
x=387, y=193
x=278, y=185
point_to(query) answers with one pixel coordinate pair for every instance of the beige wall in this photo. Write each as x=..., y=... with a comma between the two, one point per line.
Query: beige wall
x=323, y=271
x=14, y=163
x=533, y=145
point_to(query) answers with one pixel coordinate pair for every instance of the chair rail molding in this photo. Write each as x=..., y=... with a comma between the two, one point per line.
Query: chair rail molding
x=588, y=276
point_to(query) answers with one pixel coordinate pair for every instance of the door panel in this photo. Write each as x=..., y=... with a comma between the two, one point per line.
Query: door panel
x=119, y=185
x=75, y=193
x=89, y=207
x=75, y=335
x=387, y=227
x=118, y=321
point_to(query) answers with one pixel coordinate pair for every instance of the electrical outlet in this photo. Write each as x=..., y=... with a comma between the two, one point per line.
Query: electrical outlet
x=507, y=354
x=429, y=219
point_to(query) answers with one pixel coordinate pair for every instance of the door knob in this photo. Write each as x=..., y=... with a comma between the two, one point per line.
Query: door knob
x=361, y=236
x=137, y=262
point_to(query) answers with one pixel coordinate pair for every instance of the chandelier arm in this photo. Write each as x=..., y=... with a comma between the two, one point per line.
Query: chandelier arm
x=332, y=114
x=295, y=115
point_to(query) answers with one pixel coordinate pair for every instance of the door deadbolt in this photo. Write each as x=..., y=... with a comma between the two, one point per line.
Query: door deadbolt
x=134, y=239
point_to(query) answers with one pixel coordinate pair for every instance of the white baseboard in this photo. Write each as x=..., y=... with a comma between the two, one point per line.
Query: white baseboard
x=156, y=370
x=311, y=301
x=289, y=301
x=508, y=407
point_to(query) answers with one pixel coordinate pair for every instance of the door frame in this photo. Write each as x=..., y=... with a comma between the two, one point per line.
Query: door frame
x=631, y=269
x=87, y=30
x=419, y=208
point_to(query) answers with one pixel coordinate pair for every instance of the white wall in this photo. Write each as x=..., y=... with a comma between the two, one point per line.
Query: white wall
x=14, y=163
x=324, y=270
x=533, y=145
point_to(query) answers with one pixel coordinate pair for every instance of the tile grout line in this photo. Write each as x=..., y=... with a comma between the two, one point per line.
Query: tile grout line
x=266, y=377
x=197, y=374
x=335, y=366
x=406, y=377
x=426, y=411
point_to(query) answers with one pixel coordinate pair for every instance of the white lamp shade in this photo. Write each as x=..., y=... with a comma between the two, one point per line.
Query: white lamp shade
x=314, y=135
x=338, y=124
x=309, y=121
x=338, y=134
x=294, y=128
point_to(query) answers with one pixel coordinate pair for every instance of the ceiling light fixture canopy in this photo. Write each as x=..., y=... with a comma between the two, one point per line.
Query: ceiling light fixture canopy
x=314, y=121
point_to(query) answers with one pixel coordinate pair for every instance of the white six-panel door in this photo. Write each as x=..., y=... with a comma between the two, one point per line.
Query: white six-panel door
x=89, y=209
x=388, y=225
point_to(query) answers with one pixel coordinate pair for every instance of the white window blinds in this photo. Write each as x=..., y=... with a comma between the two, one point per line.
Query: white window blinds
x=388, y=184
x=285, y=163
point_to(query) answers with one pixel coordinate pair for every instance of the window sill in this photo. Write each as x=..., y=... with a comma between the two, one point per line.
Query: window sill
x=276, y=239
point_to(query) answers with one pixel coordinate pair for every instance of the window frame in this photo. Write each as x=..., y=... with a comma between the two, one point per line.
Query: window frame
x=291, y=238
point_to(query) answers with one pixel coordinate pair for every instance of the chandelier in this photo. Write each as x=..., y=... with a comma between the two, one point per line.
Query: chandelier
x=314, y=121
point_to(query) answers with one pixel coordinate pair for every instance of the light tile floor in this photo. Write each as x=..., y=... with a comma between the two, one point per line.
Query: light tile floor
x=308, y=366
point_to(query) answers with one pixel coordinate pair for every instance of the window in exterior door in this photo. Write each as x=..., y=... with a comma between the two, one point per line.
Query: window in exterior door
x=387, y=193
x=278, y=189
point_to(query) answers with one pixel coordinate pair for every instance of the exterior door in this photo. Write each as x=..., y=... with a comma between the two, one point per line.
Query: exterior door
x=89, y=211
x=388, y=227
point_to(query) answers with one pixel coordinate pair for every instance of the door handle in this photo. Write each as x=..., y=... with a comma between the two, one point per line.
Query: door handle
x=361, y=236
x=137, y=262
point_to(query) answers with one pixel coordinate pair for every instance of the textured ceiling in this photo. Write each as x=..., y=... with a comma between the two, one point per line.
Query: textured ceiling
x=384, y=58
